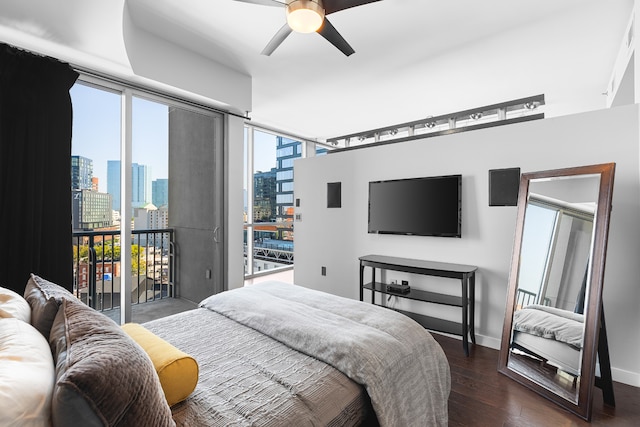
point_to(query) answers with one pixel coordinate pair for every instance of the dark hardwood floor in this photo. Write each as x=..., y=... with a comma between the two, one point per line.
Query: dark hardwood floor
x=481, y=396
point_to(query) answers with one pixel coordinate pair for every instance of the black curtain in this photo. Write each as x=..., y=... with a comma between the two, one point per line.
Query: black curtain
x=35, y=169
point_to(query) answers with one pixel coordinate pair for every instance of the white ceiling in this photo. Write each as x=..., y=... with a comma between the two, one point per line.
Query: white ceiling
x=414, y=58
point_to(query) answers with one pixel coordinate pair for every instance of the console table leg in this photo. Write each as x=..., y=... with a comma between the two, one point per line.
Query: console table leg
x=472, y=303
x=373, y=284
x=361, y=282
x=465, y=320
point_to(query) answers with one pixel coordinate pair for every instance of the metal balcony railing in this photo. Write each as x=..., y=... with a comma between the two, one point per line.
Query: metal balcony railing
x=97, y=271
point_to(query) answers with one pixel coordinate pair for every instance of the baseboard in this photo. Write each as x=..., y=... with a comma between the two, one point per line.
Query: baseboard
x=481, y=340
x=626, y=377
x=490, y=342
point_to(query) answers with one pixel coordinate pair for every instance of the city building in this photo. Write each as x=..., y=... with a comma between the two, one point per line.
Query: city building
x=113, y=182
x=81, y=173
x=90, y=209
x=140, y=184
x=151, y=217
x=105, y=271
x=160, y=192
x=288, y=150
x=264, y=199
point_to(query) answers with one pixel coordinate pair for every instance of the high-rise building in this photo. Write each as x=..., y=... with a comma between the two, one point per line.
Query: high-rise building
x=160, y=192
x=288, y=150
x=113, y=182
x=140, y=184
x=90, y=209
x=81, y=173
x=264, y=196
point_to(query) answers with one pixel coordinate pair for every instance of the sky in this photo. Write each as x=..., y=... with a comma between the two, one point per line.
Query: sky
x=96, y=133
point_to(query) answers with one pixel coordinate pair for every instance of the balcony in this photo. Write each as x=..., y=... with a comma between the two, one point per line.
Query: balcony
x=97, y=271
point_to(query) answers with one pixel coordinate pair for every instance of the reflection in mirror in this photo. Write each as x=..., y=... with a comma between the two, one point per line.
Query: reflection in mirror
x=551, y=285
x=548, y=320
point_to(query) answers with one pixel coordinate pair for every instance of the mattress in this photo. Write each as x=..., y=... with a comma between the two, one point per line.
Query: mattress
x=249, y=379
x=557, y=353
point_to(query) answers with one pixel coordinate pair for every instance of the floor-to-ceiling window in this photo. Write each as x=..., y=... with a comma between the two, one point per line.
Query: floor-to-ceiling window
x=95, y=193
x=124, y=135
x=269, y=202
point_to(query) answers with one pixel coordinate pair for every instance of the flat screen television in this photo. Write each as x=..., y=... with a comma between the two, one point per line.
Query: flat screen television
x=428, y=206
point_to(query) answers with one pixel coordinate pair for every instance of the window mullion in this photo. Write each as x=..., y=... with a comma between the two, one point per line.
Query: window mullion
x=125, y=205
x=250, y=202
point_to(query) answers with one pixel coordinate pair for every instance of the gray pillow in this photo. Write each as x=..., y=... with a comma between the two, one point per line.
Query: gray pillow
x=44, y=297
x=102, y=376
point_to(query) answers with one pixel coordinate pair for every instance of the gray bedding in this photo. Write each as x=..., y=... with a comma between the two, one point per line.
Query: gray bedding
x=551, y=323
x=249, y=379
x=276, y=354
x=402, y=367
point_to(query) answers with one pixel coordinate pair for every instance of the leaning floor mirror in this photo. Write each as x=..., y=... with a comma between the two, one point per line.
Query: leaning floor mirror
x=554, y=328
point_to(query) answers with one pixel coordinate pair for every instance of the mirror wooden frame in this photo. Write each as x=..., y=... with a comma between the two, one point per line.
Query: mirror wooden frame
x=593, y=310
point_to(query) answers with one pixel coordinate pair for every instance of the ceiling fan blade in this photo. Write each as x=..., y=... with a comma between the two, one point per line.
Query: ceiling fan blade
x=329, y=32
x=277, y=40
x=264, y=2
x=331, y=6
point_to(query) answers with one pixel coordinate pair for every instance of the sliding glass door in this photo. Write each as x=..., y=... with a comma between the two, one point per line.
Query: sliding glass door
x=147, y=197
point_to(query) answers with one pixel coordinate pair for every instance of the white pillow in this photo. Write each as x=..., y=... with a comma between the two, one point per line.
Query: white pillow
x=27, y=375
x=13, y=305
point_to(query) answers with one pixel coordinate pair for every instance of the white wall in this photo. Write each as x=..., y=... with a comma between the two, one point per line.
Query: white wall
x=335, y=238
x=166, y=65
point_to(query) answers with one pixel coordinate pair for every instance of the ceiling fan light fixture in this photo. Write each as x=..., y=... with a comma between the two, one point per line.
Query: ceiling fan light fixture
x=305, y=16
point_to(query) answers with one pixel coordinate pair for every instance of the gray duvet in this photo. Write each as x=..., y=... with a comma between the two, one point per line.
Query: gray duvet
x=249, y=379
x=402, y=367
x=276, y=354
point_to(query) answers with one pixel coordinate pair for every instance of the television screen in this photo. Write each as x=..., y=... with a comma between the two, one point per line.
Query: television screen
x=429, y=206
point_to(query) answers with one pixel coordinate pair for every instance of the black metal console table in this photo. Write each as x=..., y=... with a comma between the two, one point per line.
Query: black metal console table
x=466, y=274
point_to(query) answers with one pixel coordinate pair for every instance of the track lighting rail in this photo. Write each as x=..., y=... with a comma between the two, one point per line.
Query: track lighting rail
x=516, y=111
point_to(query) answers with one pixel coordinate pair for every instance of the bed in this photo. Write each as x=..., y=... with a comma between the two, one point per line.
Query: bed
x=271, y=354
x=550, y=334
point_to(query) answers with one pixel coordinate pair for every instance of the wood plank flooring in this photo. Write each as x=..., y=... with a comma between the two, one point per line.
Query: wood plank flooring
x=481, y=396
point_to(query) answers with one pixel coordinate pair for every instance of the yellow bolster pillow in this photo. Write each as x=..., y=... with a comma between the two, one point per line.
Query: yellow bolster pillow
x=178, y=372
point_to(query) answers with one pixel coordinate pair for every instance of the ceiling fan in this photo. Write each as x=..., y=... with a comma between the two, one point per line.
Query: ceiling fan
x=307, y=16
